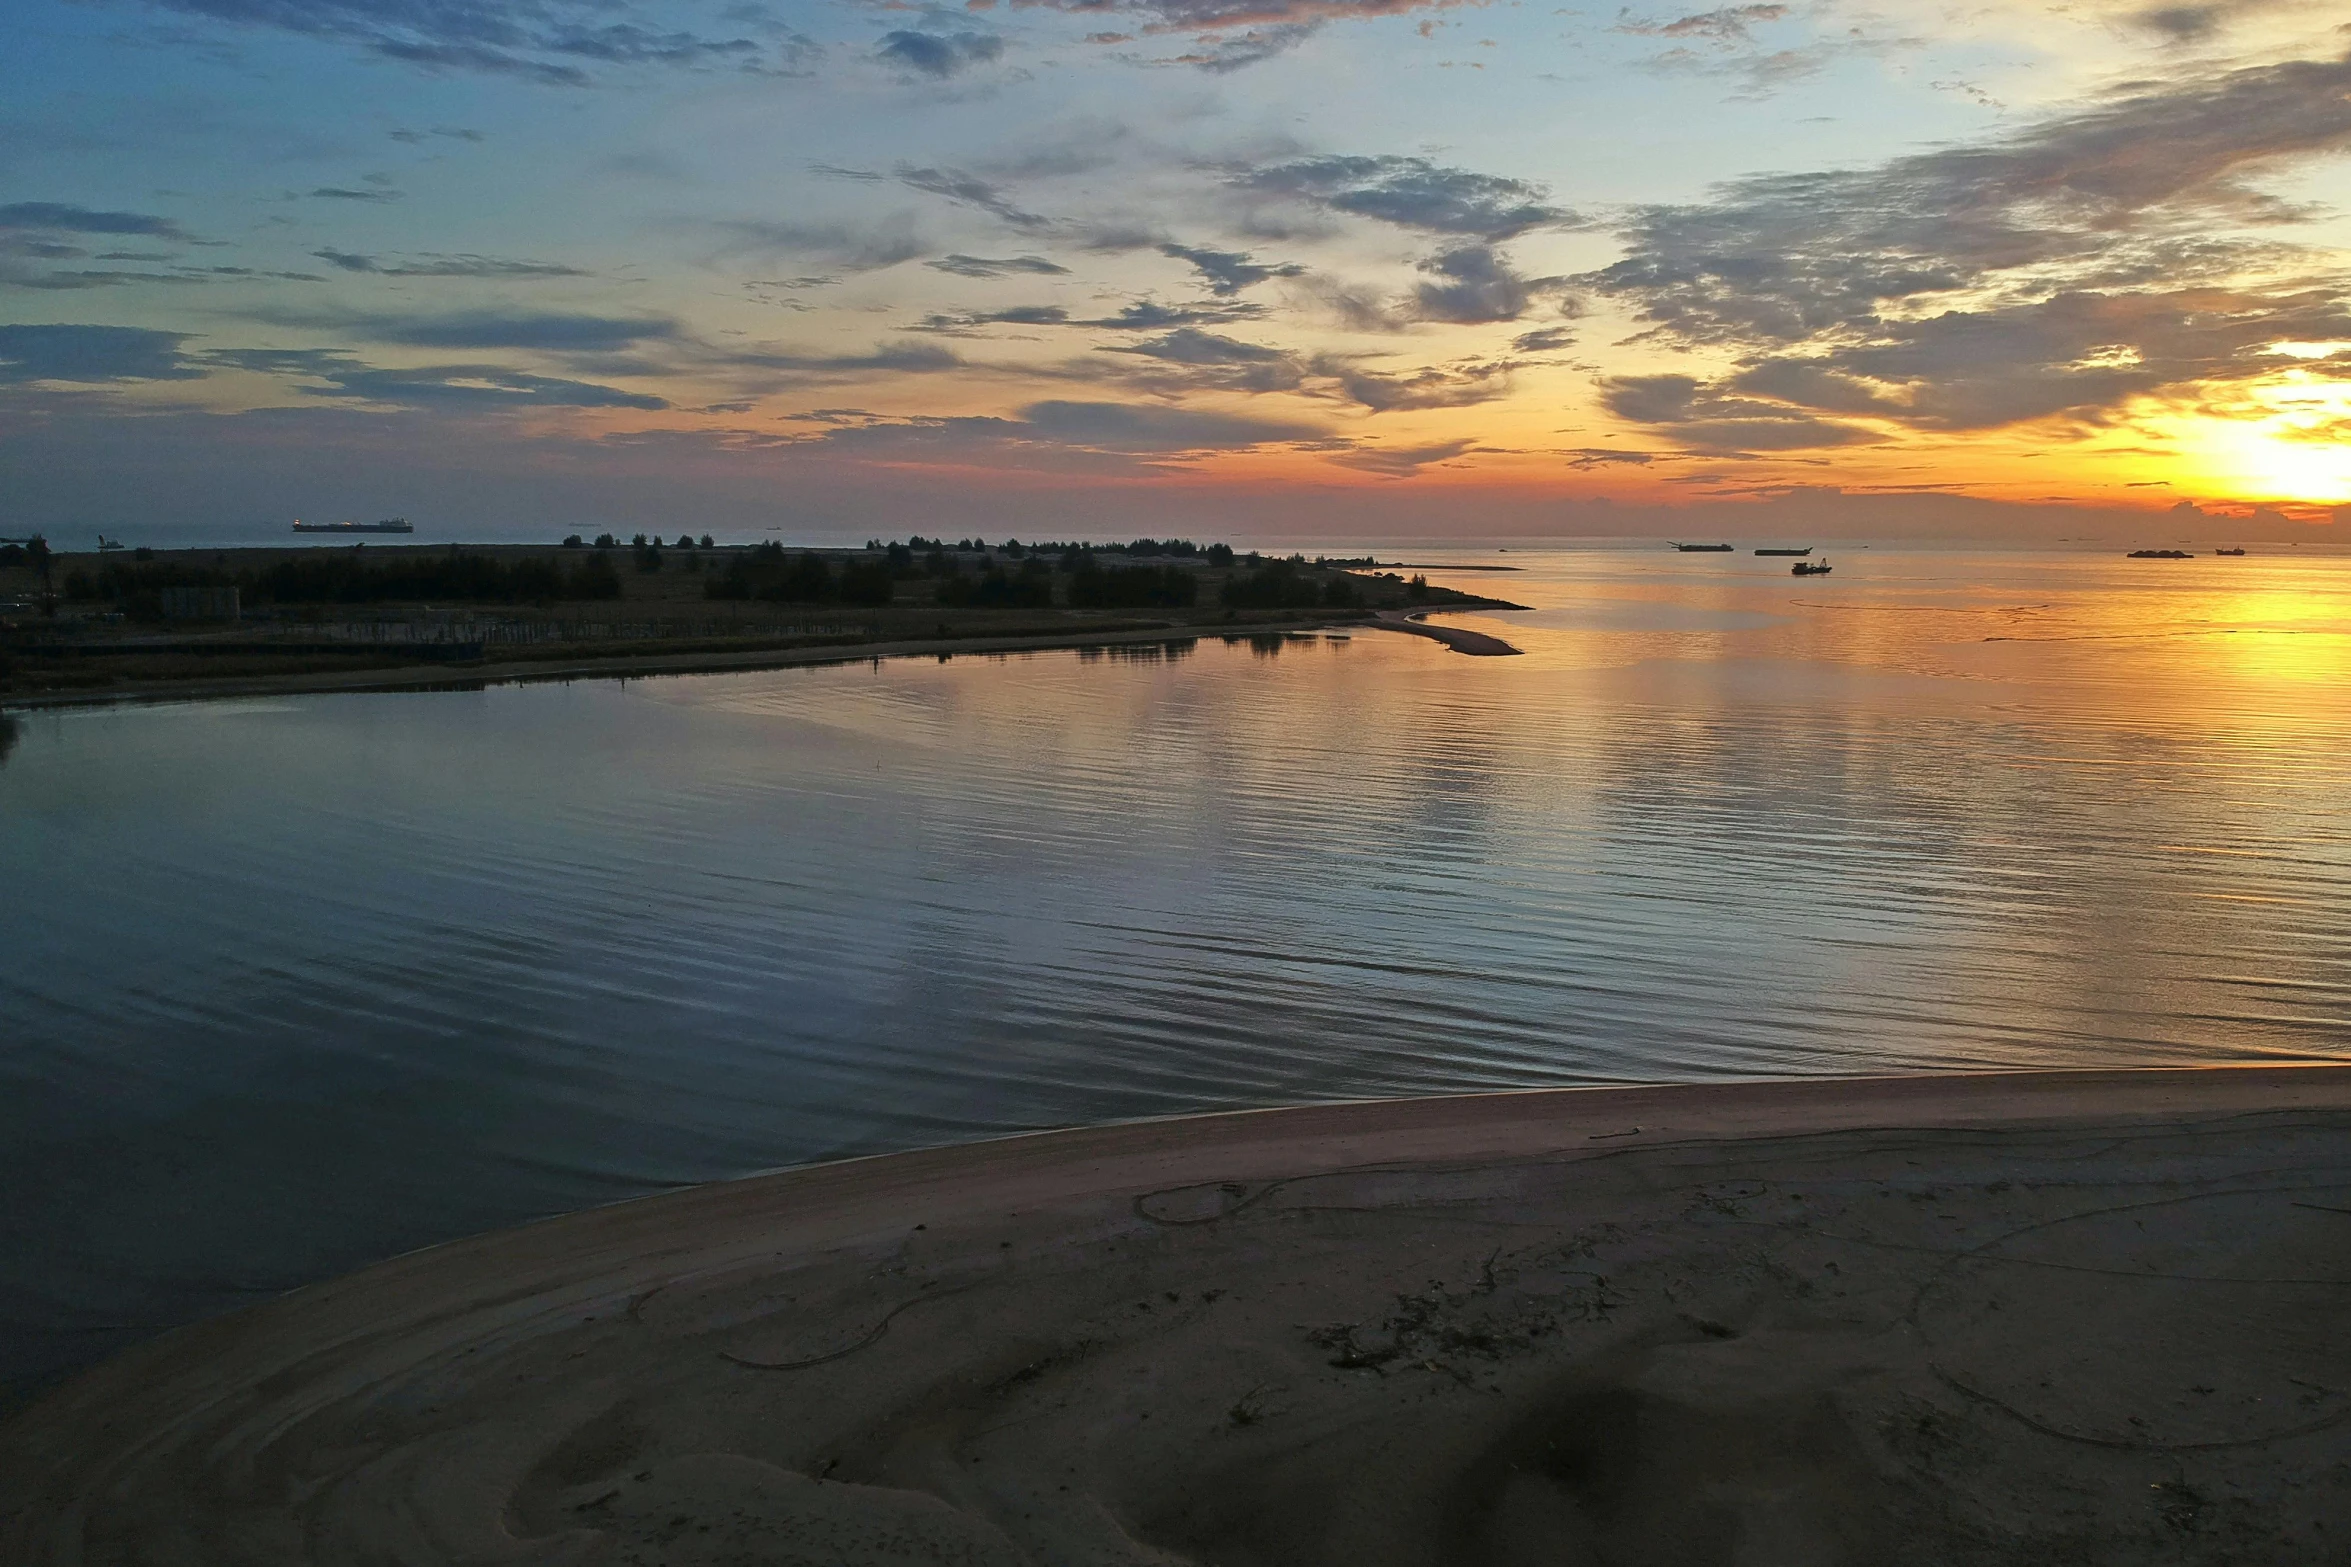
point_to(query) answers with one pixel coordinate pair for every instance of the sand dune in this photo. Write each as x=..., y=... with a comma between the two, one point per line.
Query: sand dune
x=2055, y=1318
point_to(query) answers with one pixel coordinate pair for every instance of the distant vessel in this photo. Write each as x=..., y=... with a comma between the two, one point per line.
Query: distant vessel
x=1806, y=550
x=2161, y=555
x=2228, y=552
x=1703, y=549
x=388, y=525
x=1811, y=568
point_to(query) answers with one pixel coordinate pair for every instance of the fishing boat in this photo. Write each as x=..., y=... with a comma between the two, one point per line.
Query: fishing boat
x=387, y=525
x=1806, y=550
x=1704, y=549
x=1810, y=568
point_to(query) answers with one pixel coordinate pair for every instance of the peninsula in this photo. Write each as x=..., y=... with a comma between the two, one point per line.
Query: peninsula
x=236, y=622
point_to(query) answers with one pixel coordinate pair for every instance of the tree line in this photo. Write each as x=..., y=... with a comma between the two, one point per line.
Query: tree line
x=322, y=577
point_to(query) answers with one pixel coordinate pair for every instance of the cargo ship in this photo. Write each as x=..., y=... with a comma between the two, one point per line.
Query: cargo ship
x=1703, y=549
x=388, y=525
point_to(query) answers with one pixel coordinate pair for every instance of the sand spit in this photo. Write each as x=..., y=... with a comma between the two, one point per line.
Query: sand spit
x=1454, y=637
x=2079, y=1318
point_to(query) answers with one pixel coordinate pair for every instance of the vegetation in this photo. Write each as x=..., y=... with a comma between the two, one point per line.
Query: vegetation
x=337, y=577
x=1284, y=583
x=1133, y=587
x=994, y=588
x=767, y=573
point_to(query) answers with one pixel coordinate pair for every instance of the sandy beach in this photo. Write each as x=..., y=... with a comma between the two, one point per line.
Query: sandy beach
x=2079, y=1317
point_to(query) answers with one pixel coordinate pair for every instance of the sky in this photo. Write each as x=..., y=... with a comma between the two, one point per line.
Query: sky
x=1225, y=268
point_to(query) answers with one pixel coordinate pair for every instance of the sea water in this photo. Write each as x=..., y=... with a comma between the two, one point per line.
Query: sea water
x=290, y=985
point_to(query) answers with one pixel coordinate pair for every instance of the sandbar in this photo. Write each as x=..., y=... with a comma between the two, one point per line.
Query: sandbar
x=1459, y=638
x=2063, y=1317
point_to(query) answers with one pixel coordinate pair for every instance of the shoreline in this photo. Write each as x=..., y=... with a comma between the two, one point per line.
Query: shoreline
x=1855, y=1311
x=443, y=676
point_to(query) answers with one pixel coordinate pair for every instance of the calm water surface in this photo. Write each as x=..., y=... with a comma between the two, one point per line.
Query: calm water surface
x=287, y=986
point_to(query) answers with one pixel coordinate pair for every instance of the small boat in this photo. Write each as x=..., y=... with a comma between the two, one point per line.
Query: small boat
x=2228, y=552
x=388, y=525
x=1806, y=550
x=1703, y=549
x=1810, y=568
x=2159, y=555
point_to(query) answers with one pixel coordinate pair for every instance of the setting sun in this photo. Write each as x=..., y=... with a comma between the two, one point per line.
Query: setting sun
x=2288, y=440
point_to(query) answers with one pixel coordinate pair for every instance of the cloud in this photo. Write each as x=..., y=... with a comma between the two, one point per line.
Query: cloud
x=1103, y=436
x=938, y=55
x=545, y=41
x=1191, y=346
x=1726, y=24
x=1208, y=359
x=102, y=278
x=91, y=354
x=543, y=331
x=1263, y=27
x=1472, y=284
x=344, y=193
x=1143, y=315
x=2067, y=268
x=449, y=132
x=60, y=281
x=1543, y=340
x=482, y=387
x=782, y=369
x=1227, y=272
x=1411, y=193
x=1435, y=386
x=967, y=323
x=987, y=267
x=835, y=244
x=1196, y=360
x=1402, y=462
x=1140, y=428
x=1149, y=315
x=2194, y=24
x=63, y=218
x=1722, y=42
x=1586, y=458
x=1218, y=54
x=1708, y=420
x=966, y=190
x=430, y=265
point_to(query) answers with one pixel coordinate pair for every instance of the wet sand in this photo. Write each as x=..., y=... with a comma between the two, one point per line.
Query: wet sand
x=2077, y=1317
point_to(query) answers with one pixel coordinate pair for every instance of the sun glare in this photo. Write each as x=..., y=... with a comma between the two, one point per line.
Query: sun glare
x=2290, y=442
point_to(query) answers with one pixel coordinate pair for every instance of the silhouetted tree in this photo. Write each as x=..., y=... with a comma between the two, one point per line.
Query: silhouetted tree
x=867, y=583
x=1132, y=587
x=1276, y=584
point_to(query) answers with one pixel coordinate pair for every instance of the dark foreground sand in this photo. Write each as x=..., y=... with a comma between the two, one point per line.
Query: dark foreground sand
x=2073, y=1318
